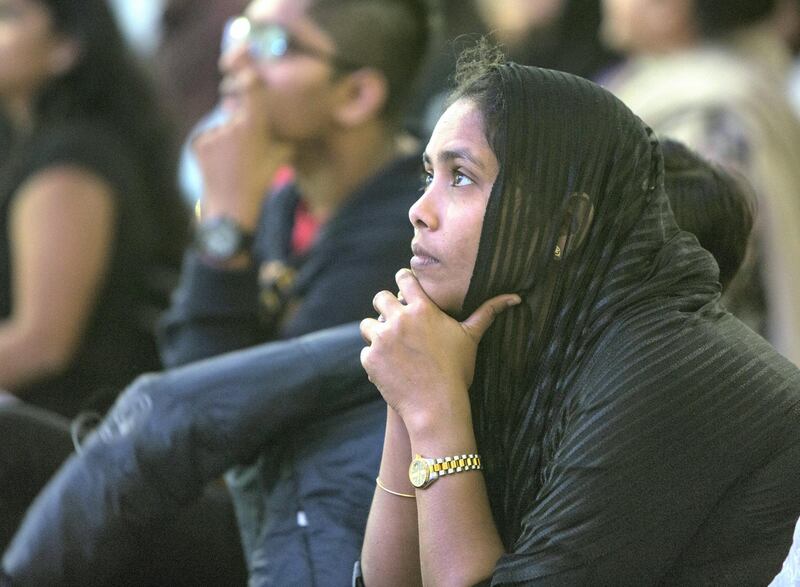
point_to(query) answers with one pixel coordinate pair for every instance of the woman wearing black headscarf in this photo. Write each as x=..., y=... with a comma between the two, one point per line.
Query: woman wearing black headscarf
x=628, y=429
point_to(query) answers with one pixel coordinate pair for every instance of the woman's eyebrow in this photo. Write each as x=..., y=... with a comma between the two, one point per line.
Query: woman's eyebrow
x=450, y=154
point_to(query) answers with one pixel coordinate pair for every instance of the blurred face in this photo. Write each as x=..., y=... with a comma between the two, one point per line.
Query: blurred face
x=460, y=170
x=515, y=19
x=648, y=26
x=291, y=62
x=28, y=49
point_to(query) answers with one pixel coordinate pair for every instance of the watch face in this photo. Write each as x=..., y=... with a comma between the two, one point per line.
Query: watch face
x=223, y=241
x=220, y=238
x=418, y=472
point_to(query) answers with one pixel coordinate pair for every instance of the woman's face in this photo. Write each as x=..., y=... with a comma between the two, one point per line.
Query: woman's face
x=647, y=26
x=28, y=48
x=460, y=169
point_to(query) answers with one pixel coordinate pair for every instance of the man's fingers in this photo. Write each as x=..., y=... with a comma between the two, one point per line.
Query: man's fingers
x=481, y=319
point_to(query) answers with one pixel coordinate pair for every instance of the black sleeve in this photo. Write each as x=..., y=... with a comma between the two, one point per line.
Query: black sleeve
x=641, y=465
x=166, y=437
x=89, y=145
x=213, y=311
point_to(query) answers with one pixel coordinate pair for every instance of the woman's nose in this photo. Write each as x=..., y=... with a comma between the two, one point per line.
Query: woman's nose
x=423, y=213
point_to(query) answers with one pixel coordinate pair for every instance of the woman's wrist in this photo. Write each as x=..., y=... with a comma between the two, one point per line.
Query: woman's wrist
x=396, y=454
x=440, y=430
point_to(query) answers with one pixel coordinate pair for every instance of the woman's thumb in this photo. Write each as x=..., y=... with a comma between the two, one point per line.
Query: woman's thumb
x=481, y=319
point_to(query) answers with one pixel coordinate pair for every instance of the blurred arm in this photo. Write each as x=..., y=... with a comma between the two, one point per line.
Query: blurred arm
x=61, y=234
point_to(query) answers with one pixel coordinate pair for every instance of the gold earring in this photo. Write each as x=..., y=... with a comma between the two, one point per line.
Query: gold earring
x=557, y=252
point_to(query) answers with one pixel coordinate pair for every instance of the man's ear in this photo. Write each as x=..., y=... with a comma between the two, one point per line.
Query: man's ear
x=575, y=227
x=364, y=93
x=64, y=54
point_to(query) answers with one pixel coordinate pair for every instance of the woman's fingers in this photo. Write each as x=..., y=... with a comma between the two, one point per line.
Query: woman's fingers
x=410, y=289
x=367, y=328
x=386, y=304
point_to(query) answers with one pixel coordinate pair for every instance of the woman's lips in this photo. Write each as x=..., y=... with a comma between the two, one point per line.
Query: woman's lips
x=422, y=258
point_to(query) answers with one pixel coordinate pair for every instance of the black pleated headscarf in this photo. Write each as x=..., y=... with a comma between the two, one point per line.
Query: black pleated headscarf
x=556, y=135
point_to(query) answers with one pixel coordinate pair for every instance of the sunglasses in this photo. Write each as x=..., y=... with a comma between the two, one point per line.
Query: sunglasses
x=269, y=42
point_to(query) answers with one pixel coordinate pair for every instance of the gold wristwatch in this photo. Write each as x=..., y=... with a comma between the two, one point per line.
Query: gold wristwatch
x=422, y=471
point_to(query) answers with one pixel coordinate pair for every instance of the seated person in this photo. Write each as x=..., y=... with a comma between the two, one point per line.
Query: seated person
x=714, y=204
x=568, y=402
x=320, y=86
x=91, y=231
x=713, y=73
x=90, y=219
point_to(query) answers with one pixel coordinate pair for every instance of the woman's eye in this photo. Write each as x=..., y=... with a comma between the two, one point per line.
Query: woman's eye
x=427, y=177
x=459, y=179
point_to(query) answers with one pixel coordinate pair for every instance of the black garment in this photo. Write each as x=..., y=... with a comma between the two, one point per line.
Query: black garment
x=35, y=443
x=643, y=435
x=170, y=434
x=118, y=343
x=199, y=545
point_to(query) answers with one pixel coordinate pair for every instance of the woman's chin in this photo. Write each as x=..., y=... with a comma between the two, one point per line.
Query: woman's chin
x=444, y=298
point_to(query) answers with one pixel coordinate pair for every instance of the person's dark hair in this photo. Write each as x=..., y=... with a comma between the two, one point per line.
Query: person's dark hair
x=716, y=206
x=476, y=78
x=107, y=85
x=390, y=35
x=720, y=17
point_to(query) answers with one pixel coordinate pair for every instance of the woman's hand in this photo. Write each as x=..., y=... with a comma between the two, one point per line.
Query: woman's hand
x=421, y=360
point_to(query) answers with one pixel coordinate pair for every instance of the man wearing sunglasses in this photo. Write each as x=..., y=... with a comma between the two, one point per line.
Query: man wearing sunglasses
x=318, y=87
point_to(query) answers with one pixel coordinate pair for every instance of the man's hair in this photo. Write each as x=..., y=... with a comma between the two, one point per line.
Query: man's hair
x=389, y=35
x=717, y=206
x=720, y=17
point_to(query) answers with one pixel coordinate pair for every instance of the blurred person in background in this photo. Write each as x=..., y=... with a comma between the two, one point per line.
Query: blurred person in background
x=320, y=86
x=713, y=75
x=185, y=59
x=714, y=204
x=786, y=20
x=91, y=229
x=90, y=217
x=556, y=34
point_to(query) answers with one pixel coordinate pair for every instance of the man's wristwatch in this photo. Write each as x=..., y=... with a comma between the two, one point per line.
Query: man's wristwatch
x=422, y=471
x=221, y=239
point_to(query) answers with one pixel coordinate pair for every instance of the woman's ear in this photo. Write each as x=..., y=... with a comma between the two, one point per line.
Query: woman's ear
x=364, y=95
x=575, y=227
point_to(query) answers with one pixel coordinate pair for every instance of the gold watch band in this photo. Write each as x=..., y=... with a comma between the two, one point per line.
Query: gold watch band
x=424, y=471
x=456, y=464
